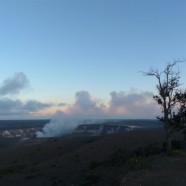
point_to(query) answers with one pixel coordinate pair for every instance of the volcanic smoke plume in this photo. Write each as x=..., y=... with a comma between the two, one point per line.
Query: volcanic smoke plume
x=83, y=109
x=121, y=105
x=57, y=128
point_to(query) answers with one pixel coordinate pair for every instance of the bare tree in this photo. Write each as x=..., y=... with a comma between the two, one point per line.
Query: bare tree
x=168, y=97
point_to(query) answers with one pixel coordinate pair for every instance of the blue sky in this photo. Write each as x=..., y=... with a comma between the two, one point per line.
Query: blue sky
x=89, y=48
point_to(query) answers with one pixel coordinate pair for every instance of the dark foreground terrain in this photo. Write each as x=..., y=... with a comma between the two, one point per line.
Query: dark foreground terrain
x=122, y=159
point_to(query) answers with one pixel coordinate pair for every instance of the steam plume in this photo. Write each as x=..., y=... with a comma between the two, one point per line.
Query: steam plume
x=121, y=105
x=84, y=108
x=60, y=125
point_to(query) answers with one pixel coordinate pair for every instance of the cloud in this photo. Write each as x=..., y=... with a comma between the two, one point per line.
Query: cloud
x=122, y=105
x=84, y=101
x=61, y=104
x=33, y=106
x=138, y=105
x=10, y=107
x=14, y=85
x=85, y=107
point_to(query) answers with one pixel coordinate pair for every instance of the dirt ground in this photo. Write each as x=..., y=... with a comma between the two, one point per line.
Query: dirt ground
x=124, y=159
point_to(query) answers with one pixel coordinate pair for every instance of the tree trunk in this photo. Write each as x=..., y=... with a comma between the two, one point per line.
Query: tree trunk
x=169, y=142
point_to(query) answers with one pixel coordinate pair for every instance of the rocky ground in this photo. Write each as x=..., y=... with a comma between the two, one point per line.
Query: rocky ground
x=123, y=159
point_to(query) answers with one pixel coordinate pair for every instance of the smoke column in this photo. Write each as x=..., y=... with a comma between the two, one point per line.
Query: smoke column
x=59, y=125
x=128, y=104
x=58, y=128
x=63, y=123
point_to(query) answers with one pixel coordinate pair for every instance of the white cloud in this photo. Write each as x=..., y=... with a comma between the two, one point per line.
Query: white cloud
x=10, y=107
x=85, y=107
x=14, y=85
x=134, y=105
x=123, y=104
x=33, y=105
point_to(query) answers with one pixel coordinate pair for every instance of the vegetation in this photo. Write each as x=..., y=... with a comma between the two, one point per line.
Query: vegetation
x=171, y=99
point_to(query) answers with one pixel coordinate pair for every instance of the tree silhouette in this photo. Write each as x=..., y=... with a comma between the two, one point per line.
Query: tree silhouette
x=170, y=98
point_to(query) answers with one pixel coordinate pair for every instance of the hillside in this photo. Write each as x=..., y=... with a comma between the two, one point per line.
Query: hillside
x=122, y=159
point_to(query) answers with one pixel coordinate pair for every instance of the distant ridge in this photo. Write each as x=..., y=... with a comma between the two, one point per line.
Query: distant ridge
x=22, y=124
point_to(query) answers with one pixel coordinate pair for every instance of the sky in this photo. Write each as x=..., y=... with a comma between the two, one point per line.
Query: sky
x=82, y=58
